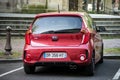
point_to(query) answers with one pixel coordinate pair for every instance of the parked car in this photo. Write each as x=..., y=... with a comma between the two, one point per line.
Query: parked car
x=62, y=39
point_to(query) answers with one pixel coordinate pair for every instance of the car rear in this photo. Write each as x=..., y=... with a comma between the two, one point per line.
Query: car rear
x=57, y=39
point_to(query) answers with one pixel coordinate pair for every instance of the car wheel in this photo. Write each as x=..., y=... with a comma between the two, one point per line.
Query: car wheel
x=91, y=68
x=101, y=60
x=29, y=69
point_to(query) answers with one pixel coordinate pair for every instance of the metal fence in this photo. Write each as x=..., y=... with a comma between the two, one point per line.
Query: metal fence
x=20, y=23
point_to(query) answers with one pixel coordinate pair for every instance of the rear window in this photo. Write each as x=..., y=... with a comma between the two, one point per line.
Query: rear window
x=57, y=24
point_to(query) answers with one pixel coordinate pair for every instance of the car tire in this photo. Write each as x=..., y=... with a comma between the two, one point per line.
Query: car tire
x=101, y=60
x=91, y=68
x=29, y=69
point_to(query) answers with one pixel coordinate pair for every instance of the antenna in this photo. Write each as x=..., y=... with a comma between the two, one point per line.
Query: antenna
x=58, y=9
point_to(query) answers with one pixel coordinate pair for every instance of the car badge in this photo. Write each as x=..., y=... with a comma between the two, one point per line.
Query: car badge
x=54, y=38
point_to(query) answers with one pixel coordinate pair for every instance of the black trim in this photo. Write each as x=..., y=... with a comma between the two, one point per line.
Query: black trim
x=54, y=63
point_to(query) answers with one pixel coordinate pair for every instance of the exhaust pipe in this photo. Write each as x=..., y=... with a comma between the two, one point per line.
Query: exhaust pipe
x=73, y=66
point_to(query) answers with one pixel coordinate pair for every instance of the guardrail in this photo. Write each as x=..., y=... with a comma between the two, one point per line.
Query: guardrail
x=110, y=22
x=20, y=22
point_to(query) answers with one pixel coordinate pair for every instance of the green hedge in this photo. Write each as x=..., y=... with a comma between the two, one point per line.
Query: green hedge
x=35, y=9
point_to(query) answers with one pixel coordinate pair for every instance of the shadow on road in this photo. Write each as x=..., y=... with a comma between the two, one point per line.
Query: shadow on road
x=63, y=71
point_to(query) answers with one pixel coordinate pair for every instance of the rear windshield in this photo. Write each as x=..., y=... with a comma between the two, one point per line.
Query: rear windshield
x=57, y=24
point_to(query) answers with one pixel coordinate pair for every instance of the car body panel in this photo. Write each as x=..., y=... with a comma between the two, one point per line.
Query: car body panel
x=75, y=45
x=63, y=40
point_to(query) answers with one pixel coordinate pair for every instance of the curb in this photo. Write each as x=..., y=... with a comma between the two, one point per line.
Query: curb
x=20, y=60
x=10, y=60
x=111, y=57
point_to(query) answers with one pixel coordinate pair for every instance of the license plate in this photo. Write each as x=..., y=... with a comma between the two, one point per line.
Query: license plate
x=55, y=55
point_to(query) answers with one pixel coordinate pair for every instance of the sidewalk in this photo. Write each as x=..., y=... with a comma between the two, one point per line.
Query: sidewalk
x=17, y=48
x=111, y=43
x=18, y=45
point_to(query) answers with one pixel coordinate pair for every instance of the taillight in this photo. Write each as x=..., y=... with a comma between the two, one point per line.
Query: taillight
x=28, y=57
x=28, y=37
x=85, y=38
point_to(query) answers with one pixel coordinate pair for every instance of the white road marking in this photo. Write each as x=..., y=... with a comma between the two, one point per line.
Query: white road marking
x=117, y=75
x=1, y=75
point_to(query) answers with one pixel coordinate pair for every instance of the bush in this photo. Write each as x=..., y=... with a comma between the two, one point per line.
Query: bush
x=36, y=7
x=33, y=9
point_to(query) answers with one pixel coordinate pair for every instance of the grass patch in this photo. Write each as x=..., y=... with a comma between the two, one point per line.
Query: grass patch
x=112, y=50
x=111, y=37
x=15, y=55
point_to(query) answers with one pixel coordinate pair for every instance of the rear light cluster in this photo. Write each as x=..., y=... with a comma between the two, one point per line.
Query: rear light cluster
x=28, y=37
x=26, y=56
x=85, y=38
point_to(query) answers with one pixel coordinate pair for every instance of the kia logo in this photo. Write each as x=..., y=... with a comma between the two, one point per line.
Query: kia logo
x=55, y=38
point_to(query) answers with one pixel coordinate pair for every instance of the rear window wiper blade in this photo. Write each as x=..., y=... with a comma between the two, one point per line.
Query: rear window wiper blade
x=61, y=31
x=67, y=31
x=47, y=32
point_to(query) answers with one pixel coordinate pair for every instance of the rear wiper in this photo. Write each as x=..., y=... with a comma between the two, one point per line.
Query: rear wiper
x=61, y=31
x=47, y=32
x=67, y=31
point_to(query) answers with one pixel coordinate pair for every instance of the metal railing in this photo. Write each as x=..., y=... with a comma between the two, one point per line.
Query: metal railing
x=110, y=22
x=20, y=22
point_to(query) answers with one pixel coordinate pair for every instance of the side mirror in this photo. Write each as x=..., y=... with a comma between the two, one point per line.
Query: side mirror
x=100, y=29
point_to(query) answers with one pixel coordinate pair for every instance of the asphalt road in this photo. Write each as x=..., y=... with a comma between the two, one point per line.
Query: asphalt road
x=106, y=71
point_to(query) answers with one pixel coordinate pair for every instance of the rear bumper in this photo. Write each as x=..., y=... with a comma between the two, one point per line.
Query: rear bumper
x=56, y=64
x=73, y=55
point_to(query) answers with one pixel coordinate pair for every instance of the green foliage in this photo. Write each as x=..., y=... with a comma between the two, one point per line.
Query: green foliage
x=112, y=50
x=35, y=9
x=15, y=55
x=111, y=36
x=92, y=12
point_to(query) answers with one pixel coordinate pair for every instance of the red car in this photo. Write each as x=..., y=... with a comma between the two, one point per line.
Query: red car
x=62, y=39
